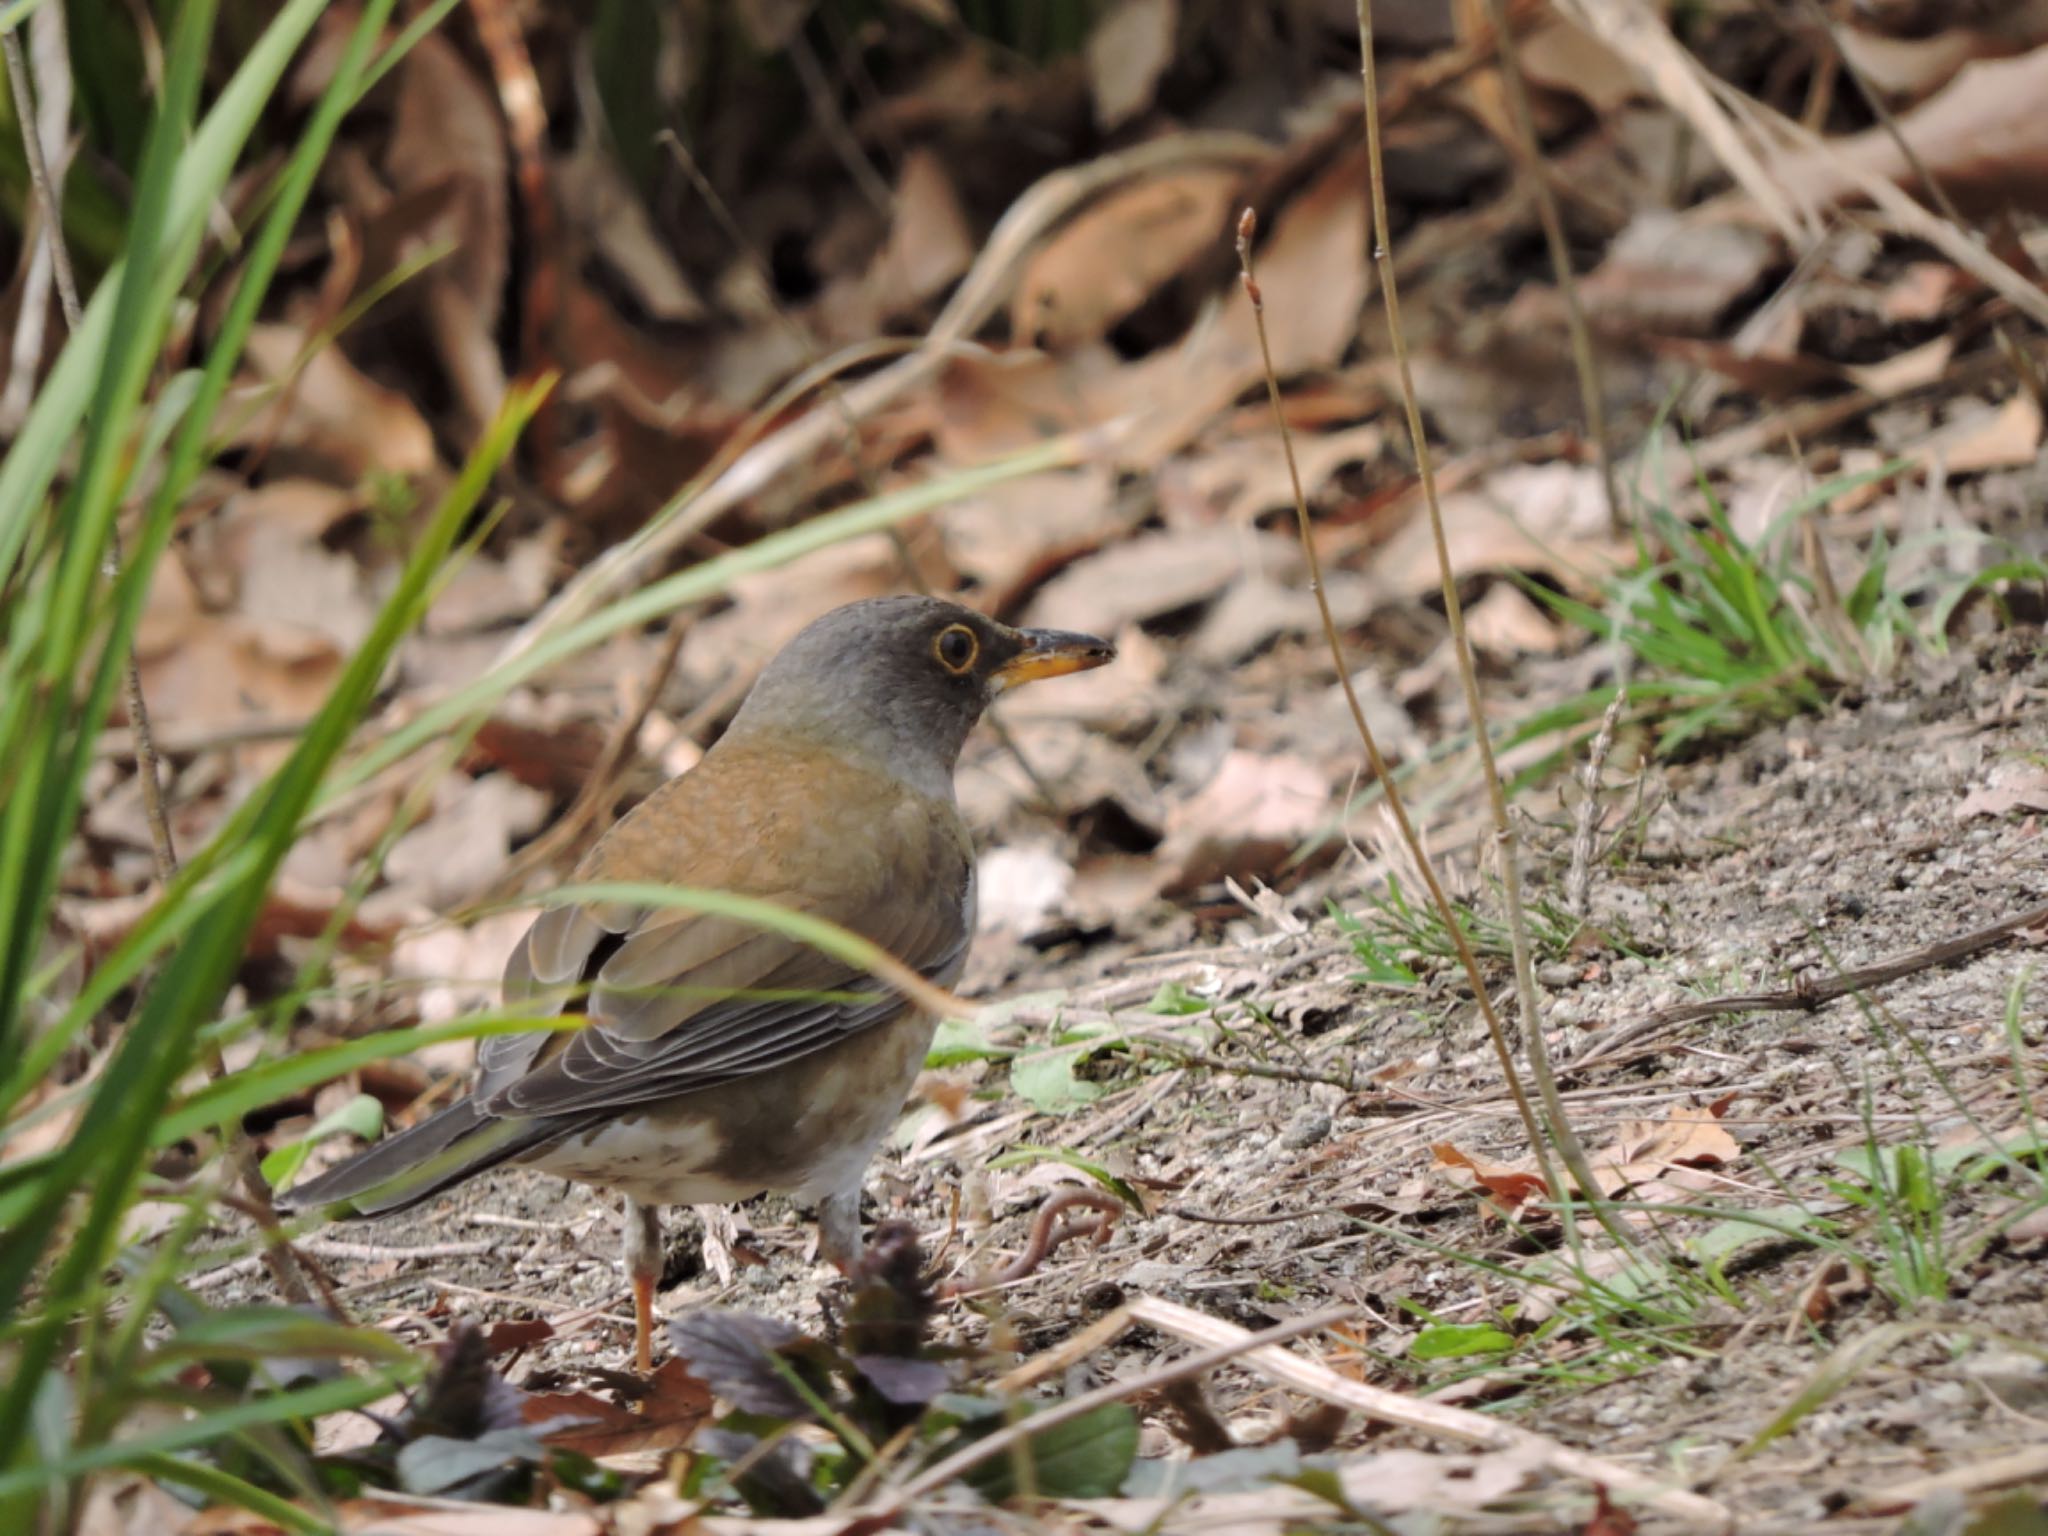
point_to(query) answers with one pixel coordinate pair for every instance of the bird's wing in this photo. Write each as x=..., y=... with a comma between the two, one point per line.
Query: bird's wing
x=681, y=1000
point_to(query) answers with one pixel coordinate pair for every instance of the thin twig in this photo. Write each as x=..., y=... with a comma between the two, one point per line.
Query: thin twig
x=1396, y=806
x=1012, y=1435
x=1318, y=1380
x=148, y=764
x=1566, y=1140
x=1592, y=396
x=1809, y=996
x=1578, y=880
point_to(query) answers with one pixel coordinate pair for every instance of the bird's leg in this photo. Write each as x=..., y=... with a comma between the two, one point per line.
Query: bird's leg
x=839, y=1229
x=644, y=1259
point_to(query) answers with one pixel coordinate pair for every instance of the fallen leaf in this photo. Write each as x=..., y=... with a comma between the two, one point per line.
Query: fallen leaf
x=462, y=843
x=2009, y=787
x=1157, y=573
x=663, y=1420
x=1010, y=536
x=328, y=410
x=446, y=132
x=1535, y=518
x=1244, y=822
x=1560, y=55
x=1312, y=270
x=1982, y=136
x=1675, y=275
x=1508, y=624
x=1127, y=52
x=930, y=243
x=2008, y=437
x=1108, y=259
x=1510, y=1188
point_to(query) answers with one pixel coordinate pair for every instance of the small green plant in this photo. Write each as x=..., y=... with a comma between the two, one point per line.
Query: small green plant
x=1723, y=634
x=1396, y=934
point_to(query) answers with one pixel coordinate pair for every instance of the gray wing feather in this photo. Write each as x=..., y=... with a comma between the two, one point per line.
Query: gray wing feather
x=657, y=1031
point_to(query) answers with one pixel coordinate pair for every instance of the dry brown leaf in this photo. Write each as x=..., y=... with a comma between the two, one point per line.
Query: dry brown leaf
x=1244, y=822
x=462, y=843
x=1912, y=369
x=446, y=131
x=930, y=243
x=1258, y=609
x=1156, y=573
x=1675, y=275
x=329, y=411
x=1011, y=535
x=993, y=403
x=456, y=970
x=2010, y=787
x=1561, y=55
x=1509, y=1188
x=1312, y=271
x=1108, y=259
x=675, y=1404
x=1127, y=52
x=1507, y=623
x=1982, y=136
x=2006, y=438
x=206, y=671
x=1688, y=1137
x=1548, y=518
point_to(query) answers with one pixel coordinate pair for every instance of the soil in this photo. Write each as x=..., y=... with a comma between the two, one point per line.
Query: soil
x=1306, y=1176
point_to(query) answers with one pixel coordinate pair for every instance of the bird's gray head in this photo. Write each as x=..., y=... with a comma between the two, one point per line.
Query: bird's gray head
x=898, y=682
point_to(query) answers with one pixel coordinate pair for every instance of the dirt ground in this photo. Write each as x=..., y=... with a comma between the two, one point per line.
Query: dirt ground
x=1813, y=848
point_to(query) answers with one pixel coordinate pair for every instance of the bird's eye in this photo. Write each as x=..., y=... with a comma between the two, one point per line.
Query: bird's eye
x=956, y=648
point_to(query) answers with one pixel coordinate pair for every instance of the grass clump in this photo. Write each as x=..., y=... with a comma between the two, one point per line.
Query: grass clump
x=1717, y=634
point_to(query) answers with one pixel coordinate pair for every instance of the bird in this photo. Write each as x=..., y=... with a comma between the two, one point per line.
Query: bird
x=719, y=1058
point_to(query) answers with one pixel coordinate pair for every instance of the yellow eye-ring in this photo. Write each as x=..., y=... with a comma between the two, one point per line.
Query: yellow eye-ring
x=956, y=648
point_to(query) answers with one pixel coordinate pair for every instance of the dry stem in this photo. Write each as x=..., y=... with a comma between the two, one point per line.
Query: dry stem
x=1592, y=397
x=1561, y=1132
x=1245, y=229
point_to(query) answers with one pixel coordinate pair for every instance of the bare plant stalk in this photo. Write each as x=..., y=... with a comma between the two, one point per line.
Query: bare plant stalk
x=1562, y=1135
x=1578, y=882
x=148, y=763
x=1592, y=398
x=1247, y=226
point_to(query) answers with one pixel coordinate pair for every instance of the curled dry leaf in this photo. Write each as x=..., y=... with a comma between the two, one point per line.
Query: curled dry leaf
x=1675, y=275
x=1157, y=573
x=326, y=410
x=1982, y=136
x=1110, y=258
x=1244, y=822
x=1128, y=51
x=2009, y=787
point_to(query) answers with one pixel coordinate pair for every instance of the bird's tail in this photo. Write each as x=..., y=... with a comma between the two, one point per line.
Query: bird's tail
x=419, y=1162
